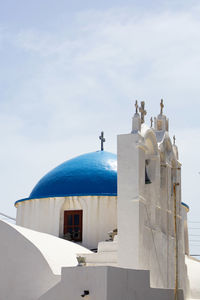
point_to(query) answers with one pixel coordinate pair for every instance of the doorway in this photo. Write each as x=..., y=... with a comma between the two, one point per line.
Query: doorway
x=73, y=225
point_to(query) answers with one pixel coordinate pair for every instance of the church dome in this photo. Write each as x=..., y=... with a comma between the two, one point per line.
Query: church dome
x=91, y=174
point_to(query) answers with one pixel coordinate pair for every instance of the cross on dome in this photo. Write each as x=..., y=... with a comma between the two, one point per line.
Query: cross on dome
x=101, y=137
x=142, y=111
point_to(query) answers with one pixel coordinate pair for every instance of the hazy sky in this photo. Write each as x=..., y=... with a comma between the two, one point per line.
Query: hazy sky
x=69, y=69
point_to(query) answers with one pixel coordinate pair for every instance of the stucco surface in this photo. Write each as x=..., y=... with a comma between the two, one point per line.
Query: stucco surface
x=57, y=252
x=31, y=262
x=24, y=272
x=106, y=283
x=193, y=267
x=46, y=215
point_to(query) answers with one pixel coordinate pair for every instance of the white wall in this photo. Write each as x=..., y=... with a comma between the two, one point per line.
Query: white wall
x=46, y=215
x=129, y=200
x=106, y=283
x=24, y=272
x=40, y=214
x=193, y=266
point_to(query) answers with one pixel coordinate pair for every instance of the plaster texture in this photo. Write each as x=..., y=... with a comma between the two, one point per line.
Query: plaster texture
x=24, y=272
x=106, y=283
x=193, y=267
x=57, y=252
x=47, y=215
x=30, y=262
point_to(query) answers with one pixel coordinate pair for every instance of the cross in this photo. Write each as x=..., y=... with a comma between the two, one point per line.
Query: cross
x=161, y=106
x=174, y=138
x=151, y=121
x=101, y=137
x=136, y=106
x=142, y=111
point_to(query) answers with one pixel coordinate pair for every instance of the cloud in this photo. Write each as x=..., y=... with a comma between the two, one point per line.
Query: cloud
x=155, y=51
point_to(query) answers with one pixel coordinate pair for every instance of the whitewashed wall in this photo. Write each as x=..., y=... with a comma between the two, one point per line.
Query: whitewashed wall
x=47, y=215
x=147, y=239
x=106, y=283
x=185, y=230
x=24, y=271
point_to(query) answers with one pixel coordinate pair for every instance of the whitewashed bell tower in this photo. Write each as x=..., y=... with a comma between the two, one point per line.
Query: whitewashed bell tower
x=150, y=231
x=131, y=175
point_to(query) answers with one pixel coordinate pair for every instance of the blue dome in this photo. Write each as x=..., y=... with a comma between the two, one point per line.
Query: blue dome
x=92, y=174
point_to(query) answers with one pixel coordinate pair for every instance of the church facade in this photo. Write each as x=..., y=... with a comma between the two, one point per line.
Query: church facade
x=125, y=213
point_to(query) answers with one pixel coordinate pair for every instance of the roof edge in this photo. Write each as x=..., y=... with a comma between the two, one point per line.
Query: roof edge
x=186, y=206
x=72, y=195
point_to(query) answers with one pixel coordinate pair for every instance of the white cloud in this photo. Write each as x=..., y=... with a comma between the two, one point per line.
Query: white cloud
x=143, y=56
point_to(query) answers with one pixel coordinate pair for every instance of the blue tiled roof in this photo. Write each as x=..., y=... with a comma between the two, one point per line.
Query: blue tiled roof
x=186, y=206
x=91, y=174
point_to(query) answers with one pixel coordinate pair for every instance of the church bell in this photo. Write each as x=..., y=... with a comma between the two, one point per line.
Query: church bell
x=147, y=180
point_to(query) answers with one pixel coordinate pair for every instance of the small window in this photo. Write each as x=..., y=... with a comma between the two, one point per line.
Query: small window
x=73, y=225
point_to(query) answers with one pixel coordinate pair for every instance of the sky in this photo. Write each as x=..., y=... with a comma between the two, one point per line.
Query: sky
x=70, y=69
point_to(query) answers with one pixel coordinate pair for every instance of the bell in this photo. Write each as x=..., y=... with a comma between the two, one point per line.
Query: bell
x=147, y=180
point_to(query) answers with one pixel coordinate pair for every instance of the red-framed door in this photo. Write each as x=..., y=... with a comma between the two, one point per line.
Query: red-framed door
x=73, y=224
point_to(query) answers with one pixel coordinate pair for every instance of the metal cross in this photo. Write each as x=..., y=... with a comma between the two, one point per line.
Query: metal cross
x=174, y=138
x=101, y=137
x=151, y=121
x=161, y=106
x=136, y=106
x=142, y=111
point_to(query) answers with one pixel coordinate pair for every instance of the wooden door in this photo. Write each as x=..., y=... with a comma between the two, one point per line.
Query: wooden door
x=73, y=225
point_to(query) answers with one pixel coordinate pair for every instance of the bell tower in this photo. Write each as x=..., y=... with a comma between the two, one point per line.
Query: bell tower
x=131, y=179
x=150, y=234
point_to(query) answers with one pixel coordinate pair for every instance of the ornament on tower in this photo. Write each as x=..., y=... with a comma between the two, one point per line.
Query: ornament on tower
x=151, y=120
x=136, y=120
x=161, y=107
x=142, y=111
x=174, y=140
x=161, y=123
x=136, y=107
x=175, y=148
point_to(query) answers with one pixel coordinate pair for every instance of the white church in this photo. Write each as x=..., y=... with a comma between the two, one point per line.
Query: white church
x=102, y=226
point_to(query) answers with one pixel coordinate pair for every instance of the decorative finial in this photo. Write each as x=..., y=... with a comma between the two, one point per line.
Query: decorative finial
x=151, y=122
x=136, y=107
x=101, y=137
x=142, y=111
x=161, y=106
x=174, y=138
